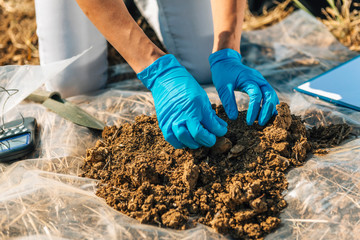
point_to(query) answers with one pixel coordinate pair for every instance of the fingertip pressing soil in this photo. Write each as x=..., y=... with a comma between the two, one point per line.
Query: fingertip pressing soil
x=234, y=187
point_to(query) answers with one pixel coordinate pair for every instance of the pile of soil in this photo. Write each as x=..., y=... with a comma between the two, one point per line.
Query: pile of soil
x=235, y=187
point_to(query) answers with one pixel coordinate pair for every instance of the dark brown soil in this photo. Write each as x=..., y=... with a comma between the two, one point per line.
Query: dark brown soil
x=235, y=187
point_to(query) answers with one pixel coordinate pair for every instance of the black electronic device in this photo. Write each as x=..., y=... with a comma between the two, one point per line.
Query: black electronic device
x=17, y=139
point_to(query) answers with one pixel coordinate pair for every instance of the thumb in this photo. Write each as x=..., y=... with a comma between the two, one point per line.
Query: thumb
x=227, y=97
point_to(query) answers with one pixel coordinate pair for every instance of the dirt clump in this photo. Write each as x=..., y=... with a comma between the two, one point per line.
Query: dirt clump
x=235, y=187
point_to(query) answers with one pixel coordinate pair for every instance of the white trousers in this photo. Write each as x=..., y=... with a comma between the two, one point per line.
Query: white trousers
x=64, y=31
x=185, y=27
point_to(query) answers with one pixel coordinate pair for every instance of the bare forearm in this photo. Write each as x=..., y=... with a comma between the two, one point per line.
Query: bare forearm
x=228, y=17
x=114, y=21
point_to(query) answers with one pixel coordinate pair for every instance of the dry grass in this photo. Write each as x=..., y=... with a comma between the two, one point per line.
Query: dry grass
x=268, y=18
x=18, y=39
x=343, y=23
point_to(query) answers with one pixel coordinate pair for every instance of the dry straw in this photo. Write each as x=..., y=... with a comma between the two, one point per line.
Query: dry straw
x=343, y=23
x=18, y=40
x=267, y=18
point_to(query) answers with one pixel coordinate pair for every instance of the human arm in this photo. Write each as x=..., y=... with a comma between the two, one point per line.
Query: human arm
x=183, y=109
x=113, y=20
x=228, y=18
x=229, y=74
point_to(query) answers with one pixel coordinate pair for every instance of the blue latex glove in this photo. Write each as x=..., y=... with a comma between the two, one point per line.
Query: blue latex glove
x=229, y=74
x=183, y=109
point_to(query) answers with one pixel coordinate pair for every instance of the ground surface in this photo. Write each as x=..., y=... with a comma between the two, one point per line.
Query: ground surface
x=235, y=187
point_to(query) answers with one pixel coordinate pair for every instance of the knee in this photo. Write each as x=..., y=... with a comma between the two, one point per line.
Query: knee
x=198, y=68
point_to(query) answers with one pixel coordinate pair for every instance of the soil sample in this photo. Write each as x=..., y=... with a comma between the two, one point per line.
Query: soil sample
x=234, y=187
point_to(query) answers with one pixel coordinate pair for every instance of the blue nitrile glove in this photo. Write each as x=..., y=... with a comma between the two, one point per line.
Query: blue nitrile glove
x=229, y=74
x=183, y=109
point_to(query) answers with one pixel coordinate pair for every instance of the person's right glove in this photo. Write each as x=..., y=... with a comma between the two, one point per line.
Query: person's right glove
x=229, y=74
x=183, y=109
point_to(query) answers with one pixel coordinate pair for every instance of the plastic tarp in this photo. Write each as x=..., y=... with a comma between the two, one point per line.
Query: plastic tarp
x=43, y=197
x=16, y=83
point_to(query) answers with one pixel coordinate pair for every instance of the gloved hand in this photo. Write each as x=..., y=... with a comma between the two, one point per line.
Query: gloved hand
x=229, y=74
x=183, y=109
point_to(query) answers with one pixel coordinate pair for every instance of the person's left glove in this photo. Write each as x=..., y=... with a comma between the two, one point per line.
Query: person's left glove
x=183, y=109
x=229, y=74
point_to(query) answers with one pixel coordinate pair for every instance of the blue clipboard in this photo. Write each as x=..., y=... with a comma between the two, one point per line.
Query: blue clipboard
x=340, y=85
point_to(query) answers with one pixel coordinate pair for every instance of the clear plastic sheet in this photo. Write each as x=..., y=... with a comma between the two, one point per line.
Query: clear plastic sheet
x=43, y=197
x=20, y=81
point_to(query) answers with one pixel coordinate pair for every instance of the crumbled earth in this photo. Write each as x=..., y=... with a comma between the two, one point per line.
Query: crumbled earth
x=234, y=187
